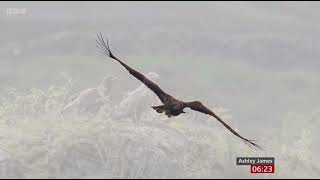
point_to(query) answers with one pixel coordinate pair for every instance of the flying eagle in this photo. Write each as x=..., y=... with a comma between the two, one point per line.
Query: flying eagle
x=171, y=106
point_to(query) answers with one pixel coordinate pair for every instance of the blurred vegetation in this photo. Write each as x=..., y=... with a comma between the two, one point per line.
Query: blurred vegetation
x=37, y=141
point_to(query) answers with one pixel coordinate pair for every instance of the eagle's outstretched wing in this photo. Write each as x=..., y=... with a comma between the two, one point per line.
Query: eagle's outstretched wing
x=198, y=106
x=104, y=47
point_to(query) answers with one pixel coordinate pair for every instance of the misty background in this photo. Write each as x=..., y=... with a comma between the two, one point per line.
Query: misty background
x=257, y=60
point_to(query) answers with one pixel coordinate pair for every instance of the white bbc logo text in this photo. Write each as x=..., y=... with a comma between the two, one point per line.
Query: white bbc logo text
x=16, y=11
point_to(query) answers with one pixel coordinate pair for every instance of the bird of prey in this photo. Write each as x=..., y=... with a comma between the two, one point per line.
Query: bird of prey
x=171, y=106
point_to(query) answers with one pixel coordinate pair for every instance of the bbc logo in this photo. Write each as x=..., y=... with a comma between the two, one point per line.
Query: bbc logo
x=16, y=11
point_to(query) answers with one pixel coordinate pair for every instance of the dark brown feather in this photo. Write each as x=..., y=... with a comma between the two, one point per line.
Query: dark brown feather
x=198, y=106
x=151, y=85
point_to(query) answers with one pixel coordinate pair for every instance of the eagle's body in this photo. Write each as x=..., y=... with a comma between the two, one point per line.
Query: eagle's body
x=171, y=106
